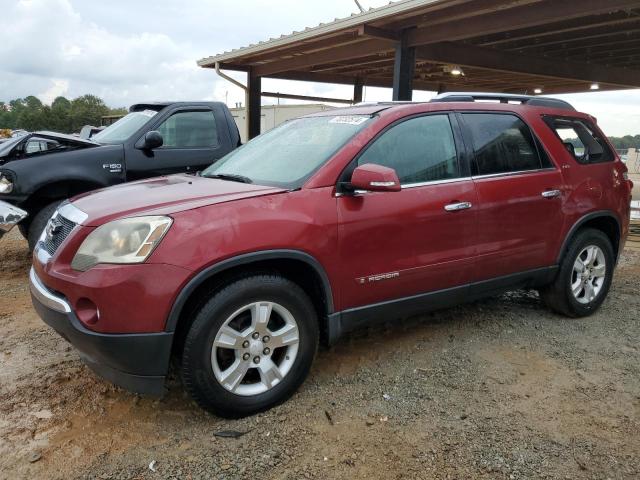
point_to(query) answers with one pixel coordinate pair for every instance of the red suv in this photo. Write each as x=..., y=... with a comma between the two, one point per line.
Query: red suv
x=327, y=223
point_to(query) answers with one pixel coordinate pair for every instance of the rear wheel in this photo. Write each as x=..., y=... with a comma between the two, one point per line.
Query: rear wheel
x=585, y=275
x=250, y=346
x=39, y=222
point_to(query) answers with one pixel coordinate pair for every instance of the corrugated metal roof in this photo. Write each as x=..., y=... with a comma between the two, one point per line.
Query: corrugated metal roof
x=338, y=24
x=516, y=46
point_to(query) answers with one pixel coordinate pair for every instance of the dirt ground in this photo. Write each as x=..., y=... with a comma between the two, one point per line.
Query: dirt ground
x=497, y=389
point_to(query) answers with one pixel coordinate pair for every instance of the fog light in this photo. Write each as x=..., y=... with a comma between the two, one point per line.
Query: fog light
x=87, y=311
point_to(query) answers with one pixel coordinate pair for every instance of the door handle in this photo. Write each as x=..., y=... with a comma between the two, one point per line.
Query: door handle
x=455, y=207
x=551, y=193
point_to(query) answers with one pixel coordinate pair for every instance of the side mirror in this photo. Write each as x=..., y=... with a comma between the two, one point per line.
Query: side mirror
x=152, y=139
x=375, y=178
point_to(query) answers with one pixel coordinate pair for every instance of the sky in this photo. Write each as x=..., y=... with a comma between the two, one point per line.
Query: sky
x=129, y=51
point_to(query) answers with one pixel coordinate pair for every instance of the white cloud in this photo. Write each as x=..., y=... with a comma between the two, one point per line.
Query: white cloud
x=59, y=87
x=129, y=51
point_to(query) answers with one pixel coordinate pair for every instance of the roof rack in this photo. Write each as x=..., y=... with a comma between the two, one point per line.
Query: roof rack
x=529, y=100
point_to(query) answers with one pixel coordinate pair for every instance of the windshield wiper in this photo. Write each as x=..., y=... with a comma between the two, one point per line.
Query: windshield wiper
x=231, y=177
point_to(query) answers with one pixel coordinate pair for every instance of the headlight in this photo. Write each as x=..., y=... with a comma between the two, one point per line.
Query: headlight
x=6, y=185
x=130, y=240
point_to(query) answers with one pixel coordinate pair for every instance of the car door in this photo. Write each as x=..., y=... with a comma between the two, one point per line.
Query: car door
x=520, y=195
x=192, y=140
x=394, y=245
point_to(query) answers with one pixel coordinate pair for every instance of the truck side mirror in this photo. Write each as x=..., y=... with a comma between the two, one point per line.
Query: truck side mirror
x=152, y=139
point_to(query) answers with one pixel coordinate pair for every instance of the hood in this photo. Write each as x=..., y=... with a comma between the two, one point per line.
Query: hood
x=72, y=139
x=163, y=196
x=68, y=140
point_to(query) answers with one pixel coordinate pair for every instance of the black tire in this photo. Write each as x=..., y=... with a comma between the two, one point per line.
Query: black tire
x=23, y=227
x=197, y=370
x=559, y=296
x=39, y=221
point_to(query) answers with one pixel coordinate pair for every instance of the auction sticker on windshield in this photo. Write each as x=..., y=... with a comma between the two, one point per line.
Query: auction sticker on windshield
x=349, y=119
x=148, y=113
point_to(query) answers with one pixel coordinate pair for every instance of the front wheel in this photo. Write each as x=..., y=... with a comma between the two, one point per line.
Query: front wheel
x=39, y=222
x=585, y=275
x=250, y=346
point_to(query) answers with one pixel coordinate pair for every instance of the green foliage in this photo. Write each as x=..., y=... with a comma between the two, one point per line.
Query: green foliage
x=628, y=141
x=63, y=115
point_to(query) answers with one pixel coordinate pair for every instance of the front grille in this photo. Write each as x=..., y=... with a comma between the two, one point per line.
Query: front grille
x=56, y=231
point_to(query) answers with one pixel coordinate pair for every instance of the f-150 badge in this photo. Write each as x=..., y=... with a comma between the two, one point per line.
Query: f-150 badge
x=112, y=167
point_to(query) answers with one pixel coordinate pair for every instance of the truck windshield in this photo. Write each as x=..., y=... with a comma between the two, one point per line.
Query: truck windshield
x=120, y=131
x=290, y=153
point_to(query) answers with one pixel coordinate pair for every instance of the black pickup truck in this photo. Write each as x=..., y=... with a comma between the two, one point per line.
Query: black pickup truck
x=40, y=170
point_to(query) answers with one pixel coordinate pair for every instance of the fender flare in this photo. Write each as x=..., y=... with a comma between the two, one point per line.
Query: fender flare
x=581, y=221
x=245, y=259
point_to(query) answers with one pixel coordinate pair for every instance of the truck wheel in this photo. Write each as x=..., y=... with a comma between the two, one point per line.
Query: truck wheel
x=585, y=276
x=250, y=346
x=38, y=223
x=23, y=227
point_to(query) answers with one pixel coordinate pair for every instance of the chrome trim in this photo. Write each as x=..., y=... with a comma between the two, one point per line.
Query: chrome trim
x=435, y=182
x=41, y=254
x=551, y=193
x=510, y=174
x=69, y=211
x=412, y=185
x=382, y=184
x=10, y=216
x=456, y=207
x=46, y=297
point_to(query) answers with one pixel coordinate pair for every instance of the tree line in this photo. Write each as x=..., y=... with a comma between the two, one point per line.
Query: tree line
x=626, y=142
x=68, y=116
x=63, y=115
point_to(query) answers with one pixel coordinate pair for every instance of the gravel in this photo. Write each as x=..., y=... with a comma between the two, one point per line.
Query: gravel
x=501, y=388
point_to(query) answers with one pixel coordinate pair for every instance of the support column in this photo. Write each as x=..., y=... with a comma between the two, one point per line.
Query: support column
x=357, y=91
x=403, y=70
x=254, y=97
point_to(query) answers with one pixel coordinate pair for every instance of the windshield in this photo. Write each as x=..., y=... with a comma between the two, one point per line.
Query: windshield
x=120, y=131
x=290, y=153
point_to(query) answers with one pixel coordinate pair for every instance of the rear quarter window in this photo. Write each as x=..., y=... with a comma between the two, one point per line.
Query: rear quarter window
x=581, y=139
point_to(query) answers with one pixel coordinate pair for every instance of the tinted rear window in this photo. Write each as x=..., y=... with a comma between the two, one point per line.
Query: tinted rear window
x=502, y=143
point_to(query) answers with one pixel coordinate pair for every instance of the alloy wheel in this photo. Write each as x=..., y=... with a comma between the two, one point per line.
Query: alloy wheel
x=589, y=274
x=255, y=348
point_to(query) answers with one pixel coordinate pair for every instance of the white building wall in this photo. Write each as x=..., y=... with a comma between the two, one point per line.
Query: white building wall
x=273, y=115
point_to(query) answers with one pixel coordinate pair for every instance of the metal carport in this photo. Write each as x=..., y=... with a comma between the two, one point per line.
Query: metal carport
x=515, y=46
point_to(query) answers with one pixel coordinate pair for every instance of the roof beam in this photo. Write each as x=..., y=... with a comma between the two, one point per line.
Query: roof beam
x=482, y=57
x=517, y=18
x=594, y=40
x=375, y=32
x=288, y=96
x=332, y=55
x=564, y=29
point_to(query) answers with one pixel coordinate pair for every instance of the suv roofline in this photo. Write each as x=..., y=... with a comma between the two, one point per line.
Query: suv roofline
x=529, y=100
x=473, y=97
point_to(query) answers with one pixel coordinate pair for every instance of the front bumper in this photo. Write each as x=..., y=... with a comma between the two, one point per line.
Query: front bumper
x=10, y=216
x=136, y=362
